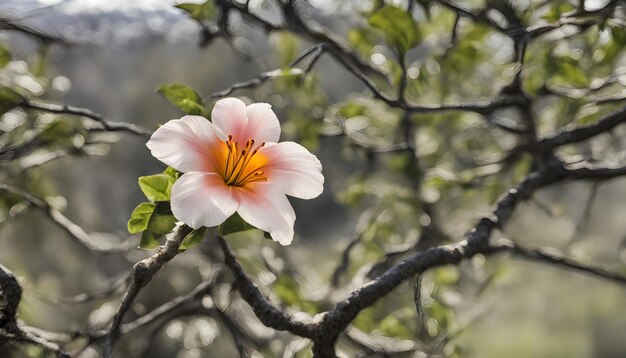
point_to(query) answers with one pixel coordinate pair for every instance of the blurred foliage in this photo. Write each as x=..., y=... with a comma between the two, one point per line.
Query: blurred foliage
x=401, y=30
x=401, y=177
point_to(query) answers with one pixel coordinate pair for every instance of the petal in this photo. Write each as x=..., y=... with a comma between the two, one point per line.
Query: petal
x=230, y=118
x=294, y=169
x=263, y=125
x=264, y=206
x=202, y=199
x=185, y=144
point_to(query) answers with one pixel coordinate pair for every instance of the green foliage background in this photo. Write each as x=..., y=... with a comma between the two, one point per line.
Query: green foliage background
x=385, y=185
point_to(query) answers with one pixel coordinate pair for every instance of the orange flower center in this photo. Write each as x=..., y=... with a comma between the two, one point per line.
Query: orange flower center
x=243, y=166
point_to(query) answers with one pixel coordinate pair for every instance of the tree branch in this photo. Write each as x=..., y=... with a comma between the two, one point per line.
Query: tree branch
x=10, y=329
x=581, y=133
x=143, y=271
x=75, y=231
x=84, y=112
x=263, y=309
x=312, y=31
x=552, y=257
x=11, y=295
x=176, y=304
x=591, y=173
x=13, y=25
x=314, y=52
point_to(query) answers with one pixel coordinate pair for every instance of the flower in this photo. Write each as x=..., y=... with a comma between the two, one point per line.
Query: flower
x=235, y=164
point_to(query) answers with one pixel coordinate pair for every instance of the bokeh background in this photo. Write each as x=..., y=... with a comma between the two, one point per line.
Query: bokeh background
x=119, y=52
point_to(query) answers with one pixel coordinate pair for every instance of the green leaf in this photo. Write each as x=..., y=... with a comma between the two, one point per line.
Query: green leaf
x=288, y=290
x=287, y=46
x=157, y=187
x=198, y=12
x=5, y=56
x=396, y=327
x=183, y=97
x=362, y=39
x=554, y=14
x=447, y=275
x=570, y=72
x=172, y=173
x=162, y=221
x=139, y=218
x=232, y=225
x=615, y=47
x=149, y=240
x=194, y=238
x=58, y=131
x=9, y=99
x=401, y=31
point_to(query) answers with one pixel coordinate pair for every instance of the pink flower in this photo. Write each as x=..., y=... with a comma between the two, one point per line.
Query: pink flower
x=235, y=164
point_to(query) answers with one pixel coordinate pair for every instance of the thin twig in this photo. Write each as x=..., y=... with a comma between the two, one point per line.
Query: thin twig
x=553, y=257
x=84, y=112
x=584, y=132
x=314, y=52
x=75, y=231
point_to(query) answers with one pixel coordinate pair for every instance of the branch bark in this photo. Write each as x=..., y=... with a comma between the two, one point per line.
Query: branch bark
x=10, y=329
x=143, y=271
x=84, y=112
x=267, y=313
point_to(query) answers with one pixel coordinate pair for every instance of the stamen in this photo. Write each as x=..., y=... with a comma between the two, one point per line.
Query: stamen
x=227, y=160
x=234, y=172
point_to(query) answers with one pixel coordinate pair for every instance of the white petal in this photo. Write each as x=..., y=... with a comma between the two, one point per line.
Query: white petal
x=263, y=125
x=294, y=169
x=264, y=206
x=202, y=199
x=185, y=143
x=230, y=118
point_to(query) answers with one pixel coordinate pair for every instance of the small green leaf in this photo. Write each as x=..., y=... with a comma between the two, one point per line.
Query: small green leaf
x=194, y=238
x=232, y=225
x=149, y=240
x=5, y=56
x=157, y=187
x=162, y=221
x=362, y=39
x=9, y=99
x=287, y=47
x=555, y=12
x=139, y=218
x=397, y=327
x=60, y=132
x=401, y=30
x=205, y=11
x=183, y=97
x=172, y=173
x=570, y=72
x=288, y=290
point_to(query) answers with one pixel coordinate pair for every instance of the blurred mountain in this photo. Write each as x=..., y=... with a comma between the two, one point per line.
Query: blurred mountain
x=98, y=21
